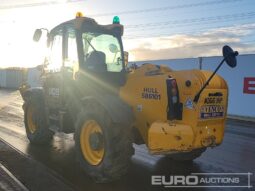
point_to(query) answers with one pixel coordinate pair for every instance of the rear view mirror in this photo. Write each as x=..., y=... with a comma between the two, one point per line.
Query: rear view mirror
x=113, y=48
x=37, y=35
x=229, y=56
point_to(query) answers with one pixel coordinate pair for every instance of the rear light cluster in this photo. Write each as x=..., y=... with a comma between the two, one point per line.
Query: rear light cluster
x=174, y=91
x=174, y=109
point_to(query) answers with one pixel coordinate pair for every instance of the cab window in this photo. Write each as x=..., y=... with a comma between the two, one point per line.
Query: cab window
x=104, y=46
x=71, y=60
x=55, y=56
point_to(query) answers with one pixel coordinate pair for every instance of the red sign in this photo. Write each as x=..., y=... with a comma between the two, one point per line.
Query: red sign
x=249, y=85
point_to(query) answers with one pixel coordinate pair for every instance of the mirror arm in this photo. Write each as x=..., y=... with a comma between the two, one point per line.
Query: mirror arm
x=231, y=53
x=45, y=30
x=196, y=98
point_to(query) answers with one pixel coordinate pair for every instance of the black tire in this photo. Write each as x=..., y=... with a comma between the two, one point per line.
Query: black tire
x=187, y=156
x=118, y=147
x=42, y=135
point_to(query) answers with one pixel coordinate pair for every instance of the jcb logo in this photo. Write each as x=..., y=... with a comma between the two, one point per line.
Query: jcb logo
x=54, y=92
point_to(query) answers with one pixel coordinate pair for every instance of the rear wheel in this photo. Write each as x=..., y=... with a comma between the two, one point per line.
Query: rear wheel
x=35, y=122
x=92, y=143
x=103, y=148
x=187, y=156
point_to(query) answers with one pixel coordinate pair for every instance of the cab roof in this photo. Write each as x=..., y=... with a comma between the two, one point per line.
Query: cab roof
x=86, y=23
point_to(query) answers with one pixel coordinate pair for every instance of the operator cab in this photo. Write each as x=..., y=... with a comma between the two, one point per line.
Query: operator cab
x=101, y=51
x=81, y=46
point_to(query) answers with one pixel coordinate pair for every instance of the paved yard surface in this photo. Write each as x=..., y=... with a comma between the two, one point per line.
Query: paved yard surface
x=54, y=167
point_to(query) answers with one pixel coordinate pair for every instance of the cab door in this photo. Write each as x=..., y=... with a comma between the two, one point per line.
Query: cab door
x=53, y=85
x=70, y=67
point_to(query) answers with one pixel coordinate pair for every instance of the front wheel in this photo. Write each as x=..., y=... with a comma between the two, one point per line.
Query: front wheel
x=103, y=148
x=35, y=122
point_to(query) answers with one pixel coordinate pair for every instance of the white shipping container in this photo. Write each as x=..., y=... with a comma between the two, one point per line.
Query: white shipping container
x=34, y=77
x=14, y=78
x=2, y=78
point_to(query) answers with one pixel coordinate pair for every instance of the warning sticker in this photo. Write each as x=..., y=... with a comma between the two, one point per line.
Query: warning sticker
x=189, y=104
x=211, y=111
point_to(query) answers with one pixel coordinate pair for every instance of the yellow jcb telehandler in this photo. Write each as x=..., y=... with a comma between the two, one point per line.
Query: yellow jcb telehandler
x=88, y=90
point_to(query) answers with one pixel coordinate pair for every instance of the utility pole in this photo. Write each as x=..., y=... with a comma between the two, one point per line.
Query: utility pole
x=200, y=61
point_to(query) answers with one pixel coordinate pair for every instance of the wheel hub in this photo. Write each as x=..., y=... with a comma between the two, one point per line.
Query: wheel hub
x=92, y=142
x=34, y=118
x=96, y=141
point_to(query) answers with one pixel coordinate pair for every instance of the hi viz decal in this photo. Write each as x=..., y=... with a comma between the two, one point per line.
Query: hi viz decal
x=151, y=93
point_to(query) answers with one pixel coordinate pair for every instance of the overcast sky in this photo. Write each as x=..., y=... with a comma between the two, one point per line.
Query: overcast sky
x=154, y=29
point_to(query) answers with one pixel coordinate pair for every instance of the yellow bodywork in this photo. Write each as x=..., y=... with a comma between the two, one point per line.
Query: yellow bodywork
x=146, y=92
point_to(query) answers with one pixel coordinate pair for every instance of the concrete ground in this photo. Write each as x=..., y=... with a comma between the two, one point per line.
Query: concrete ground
x=55, y=168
